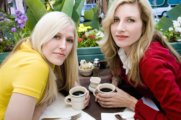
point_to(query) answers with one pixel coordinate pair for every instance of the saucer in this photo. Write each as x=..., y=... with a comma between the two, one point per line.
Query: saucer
x=91, y=89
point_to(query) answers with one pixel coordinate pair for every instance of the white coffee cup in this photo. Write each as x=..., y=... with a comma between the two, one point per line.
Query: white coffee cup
x=76, y=97
x=105, y=88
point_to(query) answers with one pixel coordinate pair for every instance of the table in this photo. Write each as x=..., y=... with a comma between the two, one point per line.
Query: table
x=105, y=75
x=94, y=109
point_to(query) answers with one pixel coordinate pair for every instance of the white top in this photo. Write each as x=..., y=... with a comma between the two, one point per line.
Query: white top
x=125, y=60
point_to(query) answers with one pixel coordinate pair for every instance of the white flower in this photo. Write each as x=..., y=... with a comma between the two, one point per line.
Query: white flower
x=170, y=29
x=178, y=29
x=82, y=62
x=99, y=34
x=84, y=65
x=176, y=24
x=179, y=19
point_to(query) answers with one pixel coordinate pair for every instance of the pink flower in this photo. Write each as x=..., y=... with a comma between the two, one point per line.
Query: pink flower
x=92, y=36
x=80, y=39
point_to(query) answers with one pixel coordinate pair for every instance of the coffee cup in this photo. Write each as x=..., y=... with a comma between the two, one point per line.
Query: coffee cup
x=76, y=97
x=105, y=88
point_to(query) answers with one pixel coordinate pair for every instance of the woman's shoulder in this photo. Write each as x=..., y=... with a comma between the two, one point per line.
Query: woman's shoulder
x=158, y=54
x=156, y=50
x=26, y=60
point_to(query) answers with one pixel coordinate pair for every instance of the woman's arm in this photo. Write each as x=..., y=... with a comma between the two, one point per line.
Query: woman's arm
x=39, y=111
x=20, y=107
x=115, y=80
x=160, y=78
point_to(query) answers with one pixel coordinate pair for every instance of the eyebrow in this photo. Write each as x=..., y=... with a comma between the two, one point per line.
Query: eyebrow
x=58, y=33
x=115, y=16
x=68, y=34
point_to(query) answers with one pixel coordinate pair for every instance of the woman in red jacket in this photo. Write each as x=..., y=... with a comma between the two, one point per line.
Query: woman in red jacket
x=140, y=58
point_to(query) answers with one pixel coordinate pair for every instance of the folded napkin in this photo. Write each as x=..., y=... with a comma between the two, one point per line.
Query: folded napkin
x=127, y=114
x=58, y=110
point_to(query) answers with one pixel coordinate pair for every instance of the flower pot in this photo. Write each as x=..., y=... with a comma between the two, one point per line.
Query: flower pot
x=90, y=53
x=177, y=46
x=3, y=55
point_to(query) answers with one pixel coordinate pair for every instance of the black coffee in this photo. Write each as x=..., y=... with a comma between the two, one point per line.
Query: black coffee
x=106, y=89
x=78, y=93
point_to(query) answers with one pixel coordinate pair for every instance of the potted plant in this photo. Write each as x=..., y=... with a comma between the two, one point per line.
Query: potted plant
x=173, y=34
x=88, y=47
x=12, y=29
x=171, y=27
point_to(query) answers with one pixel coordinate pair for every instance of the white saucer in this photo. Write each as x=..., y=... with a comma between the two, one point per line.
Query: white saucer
x=91, y=89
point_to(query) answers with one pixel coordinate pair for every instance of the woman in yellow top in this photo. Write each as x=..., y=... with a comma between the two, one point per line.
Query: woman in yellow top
x=27, y=76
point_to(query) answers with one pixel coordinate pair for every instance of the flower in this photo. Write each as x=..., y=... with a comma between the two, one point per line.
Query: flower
x=20, y=19
x=12, y=29
x=177, y=25
x=174, y=32
x=88, y=37
x=84, y=65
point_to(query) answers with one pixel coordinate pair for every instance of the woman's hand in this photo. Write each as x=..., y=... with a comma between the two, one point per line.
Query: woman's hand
x=116, y=99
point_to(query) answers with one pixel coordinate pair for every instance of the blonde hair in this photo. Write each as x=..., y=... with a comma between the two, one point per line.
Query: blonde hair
x=138, y=49
x=46, y=28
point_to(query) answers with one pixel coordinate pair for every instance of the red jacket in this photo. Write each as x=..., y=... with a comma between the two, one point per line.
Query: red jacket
x=161, y=74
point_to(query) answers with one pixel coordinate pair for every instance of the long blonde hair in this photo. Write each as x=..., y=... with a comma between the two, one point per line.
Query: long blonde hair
x=46, y=28
x=138, y=49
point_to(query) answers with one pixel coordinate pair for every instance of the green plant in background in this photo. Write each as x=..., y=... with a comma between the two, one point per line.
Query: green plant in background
x=170, y=26
x=173, y=33
x=93, y=17
x=37, y=8
x=6, y=23
x=88, y=37
x=12, y=30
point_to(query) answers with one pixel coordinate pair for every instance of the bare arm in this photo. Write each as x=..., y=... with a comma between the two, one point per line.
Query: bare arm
x=39, y=111
x=20, y=107
x=115, y=80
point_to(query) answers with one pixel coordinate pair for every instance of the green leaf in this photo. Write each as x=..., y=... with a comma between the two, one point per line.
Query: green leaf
x=164, y=23
x=175, y=12
x=77, y=11
x=92, y=15
x=58, y=5
x=36, y=9
x=89, y=14
x=31, y=20
x=68, y=7
x=78, y=6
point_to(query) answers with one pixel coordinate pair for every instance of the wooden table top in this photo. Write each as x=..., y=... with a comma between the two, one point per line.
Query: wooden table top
x=94, y=109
